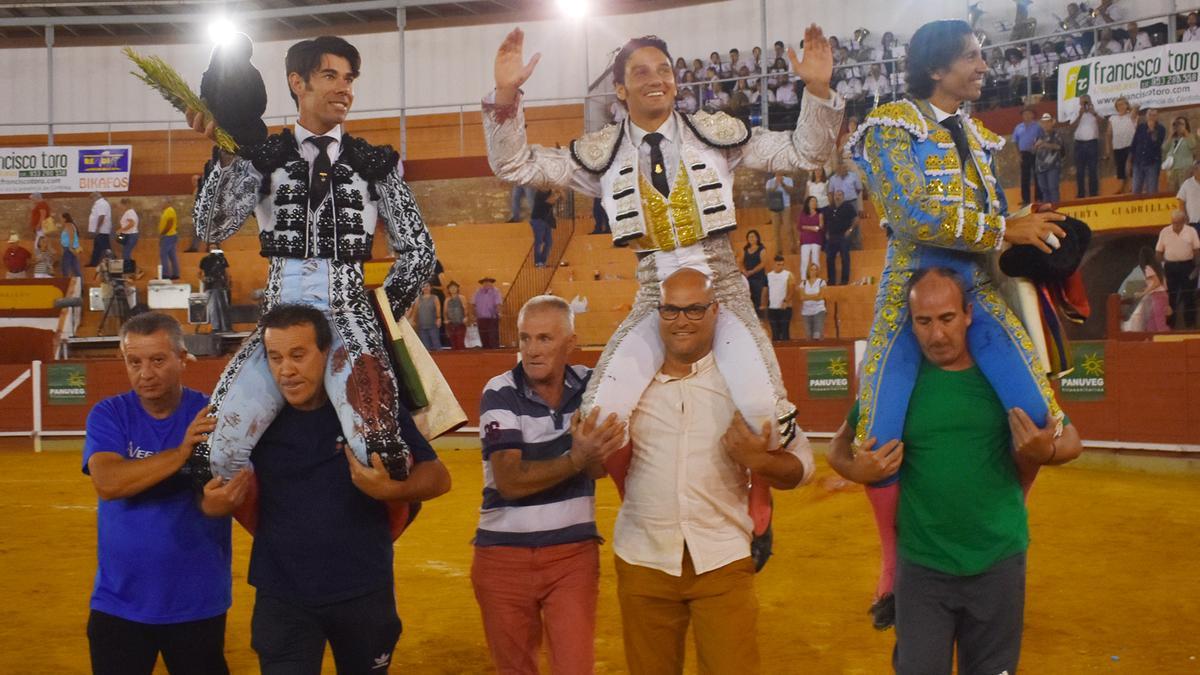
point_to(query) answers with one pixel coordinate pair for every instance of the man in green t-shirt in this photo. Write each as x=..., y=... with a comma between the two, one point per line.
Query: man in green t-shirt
x=962, y=528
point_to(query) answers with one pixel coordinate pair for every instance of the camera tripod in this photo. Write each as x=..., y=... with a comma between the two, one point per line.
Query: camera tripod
x=117, y=305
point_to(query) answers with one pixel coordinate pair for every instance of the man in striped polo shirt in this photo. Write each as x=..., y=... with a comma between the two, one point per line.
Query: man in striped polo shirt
x=537, y=548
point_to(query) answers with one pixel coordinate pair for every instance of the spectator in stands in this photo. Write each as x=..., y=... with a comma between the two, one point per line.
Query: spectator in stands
x=899, y=78
x=739, y=101
x=163, y=581
x=1119, y=139
x=1189, y=196
x=541, y=219
x=1048, y=156
x=454, y=317
x=781, y=52
x=698, y=69
x=1146, y=150
x=426, y=313
x=43, y=258
x=1087, y=127
x=520, y=193
x=779, y=202
x=787, y=101
x=810, y=225
x=1154, y=307
x=681, y=67
x=1136, y=39
x=754, y=267
x=168, y=240
x=71, y=248
x=818, y=186
x=100, y=225
x=1107, y=44
x=779, y=74
x=39, y=210
x=714, y=63
x=486, y=303
x=128, y=232
x=812, y=302
x=847, y=182
x=715, y=98
x=686, y=102
x=839, y=227
x=1191, y=33
x=889, y=50
x=1180, y=149
x=1017, y=70
x=757, y=91
x=756, y=60
x=735, y=64
x=851, y=89
x=781, y=287
x=844, y=151
x=16, y=258
x=1025, y=137
x=1178, y=249
x=876, y=87
x=214, y=272
x=536, y=561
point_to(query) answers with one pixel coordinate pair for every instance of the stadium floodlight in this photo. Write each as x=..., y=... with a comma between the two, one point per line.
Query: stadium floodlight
x=576, y=9
x=220, y=30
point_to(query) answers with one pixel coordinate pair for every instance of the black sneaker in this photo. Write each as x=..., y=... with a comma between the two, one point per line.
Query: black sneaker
x=883, y=612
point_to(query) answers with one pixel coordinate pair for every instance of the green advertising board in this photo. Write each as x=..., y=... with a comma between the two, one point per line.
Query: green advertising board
x=1086, y=381
x=828, y=373
x=66, y=384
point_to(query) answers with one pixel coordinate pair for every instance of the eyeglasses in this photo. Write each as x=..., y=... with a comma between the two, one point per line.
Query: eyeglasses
x=693, y=312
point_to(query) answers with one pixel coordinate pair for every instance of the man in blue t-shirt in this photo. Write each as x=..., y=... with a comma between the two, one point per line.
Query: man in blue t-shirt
x=162, y=579
x=322, y=555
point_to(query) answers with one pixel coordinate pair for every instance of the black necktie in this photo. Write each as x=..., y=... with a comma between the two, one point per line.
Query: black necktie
x=322, y=169
x=954, y=124
x=658, y=169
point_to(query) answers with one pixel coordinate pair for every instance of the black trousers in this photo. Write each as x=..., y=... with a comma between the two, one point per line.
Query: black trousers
x=123, y=647
x=290, y=637
x=1120, y=159
x=780, y=321
x=102, y=243
x=834, y=249
x=1029, y=178
x=1181, y=292
x=984, y=615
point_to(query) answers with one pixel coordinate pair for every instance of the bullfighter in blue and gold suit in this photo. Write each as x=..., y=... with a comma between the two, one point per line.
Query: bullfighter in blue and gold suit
x=945, y=208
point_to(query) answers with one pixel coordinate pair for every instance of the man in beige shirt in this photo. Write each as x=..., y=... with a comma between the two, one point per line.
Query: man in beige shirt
x=1178, y=249
x=682, y=538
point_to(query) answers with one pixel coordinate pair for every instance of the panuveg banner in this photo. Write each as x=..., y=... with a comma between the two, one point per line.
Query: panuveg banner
x=1160, y=77
x=99, y=168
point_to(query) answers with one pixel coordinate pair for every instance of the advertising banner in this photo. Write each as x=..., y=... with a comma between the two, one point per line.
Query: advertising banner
x=1160, y=77
x=828, y=373
x=66, y=384
x=99, y=168
x=1086, y=382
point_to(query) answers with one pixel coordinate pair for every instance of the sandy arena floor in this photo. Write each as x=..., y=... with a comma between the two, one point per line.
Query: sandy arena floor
x=1112, y=581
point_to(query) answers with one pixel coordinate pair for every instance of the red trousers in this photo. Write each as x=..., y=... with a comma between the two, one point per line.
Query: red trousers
x=525, y=592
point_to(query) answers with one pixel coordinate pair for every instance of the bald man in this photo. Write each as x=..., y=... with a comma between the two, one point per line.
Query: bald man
x=682, y=538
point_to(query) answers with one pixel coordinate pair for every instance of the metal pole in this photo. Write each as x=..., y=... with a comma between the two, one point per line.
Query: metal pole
x=401, y=22
x=50, y=84
x=36, y=367
x=587, y=72
x=762, y=63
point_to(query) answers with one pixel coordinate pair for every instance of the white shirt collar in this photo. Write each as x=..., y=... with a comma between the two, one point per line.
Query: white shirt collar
x=667, y=129
x=704, y=364
x=301, y=133
x=939, y=113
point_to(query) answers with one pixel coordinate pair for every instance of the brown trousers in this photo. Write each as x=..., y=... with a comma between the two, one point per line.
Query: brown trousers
x=657, y=607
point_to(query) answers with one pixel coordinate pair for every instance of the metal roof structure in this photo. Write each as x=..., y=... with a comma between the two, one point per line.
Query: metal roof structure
x=24, y=23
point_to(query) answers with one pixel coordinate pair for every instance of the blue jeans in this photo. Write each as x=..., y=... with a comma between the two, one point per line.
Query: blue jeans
x=519, y=193
x=70, y=264
x=430, y=338
x=1048, y=182
x=1087, y=165
x=128, y=245
x=1145, y=179
x=168, y=257
x=543, y=238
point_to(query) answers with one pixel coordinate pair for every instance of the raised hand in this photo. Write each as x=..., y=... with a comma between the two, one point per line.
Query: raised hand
x=817, y=67
x=202, y=124
x=511, y=70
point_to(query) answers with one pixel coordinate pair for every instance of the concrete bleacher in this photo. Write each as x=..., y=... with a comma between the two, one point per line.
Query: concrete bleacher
x=468, y=252
x=606, y=276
